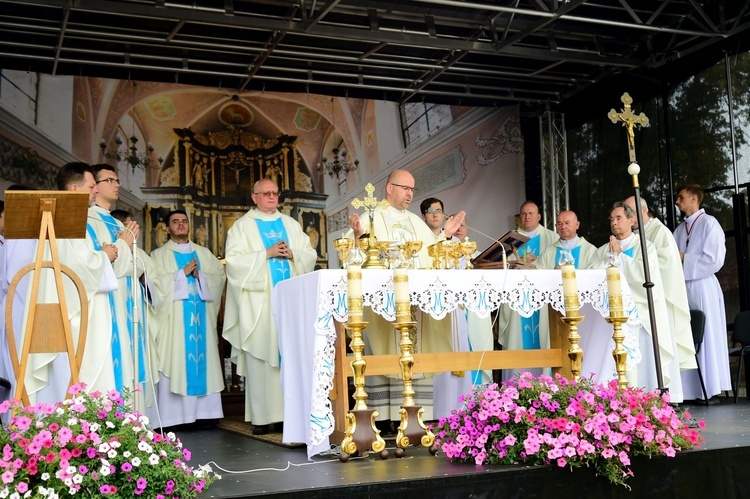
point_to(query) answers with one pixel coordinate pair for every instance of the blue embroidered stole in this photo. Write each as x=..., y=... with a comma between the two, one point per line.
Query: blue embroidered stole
x=194, y=320
x=116, y=349
x=530, y=325
x=272, y=232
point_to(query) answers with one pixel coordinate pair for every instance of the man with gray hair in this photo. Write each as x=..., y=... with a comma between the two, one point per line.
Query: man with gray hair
x=624, y=248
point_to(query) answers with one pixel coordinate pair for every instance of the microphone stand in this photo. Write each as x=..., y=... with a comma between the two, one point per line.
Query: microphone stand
x=505, y=262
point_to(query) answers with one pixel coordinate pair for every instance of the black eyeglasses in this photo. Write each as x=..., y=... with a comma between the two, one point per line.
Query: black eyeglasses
x=109, y=181
x=405, y=187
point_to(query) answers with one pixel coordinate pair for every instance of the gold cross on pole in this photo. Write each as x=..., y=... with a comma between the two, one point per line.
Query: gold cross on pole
x=628, y=120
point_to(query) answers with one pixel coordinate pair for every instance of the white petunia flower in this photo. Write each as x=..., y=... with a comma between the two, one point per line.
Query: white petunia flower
x=112, y=454
x=105, y=471
x=78, y=478
x=104, y=447
x=136, y=461
x=110, y=424
x=45, y=476
x=71, y=470
x=153, y=459
x=126, y=454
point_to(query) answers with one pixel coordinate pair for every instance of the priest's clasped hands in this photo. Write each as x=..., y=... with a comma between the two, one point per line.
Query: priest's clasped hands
x=280, y=250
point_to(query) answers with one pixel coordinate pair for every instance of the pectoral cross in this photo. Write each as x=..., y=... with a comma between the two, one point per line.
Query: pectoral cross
x=629, y=121
x=370, y=202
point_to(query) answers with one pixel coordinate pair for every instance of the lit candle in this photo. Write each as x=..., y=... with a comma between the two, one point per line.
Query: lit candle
x=505, y=259
x=401, y=284
x=354, y=292
x=569, y=280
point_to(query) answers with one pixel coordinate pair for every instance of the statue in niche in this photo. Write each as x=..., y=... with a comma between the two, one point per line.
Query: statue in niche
x=162, y=235
x=206, y=171
x=273, y=173
x=201, y=234
x=198, y=175
x=313, y=234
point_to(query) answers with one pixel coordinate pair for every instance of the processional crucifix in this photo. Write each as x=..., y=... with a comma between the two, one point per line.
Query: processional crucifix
x=630, y=120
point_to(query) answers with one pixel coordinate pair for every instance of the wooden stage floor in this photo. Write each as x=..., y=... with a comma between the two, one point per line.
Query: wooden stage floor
x=256, y=469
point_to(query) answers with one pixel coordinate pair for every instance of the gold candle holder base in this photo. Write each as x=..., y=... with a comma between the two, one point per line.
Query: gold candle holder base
x=617, y=319
x=412, y=428
x=575, y=352
x=362, y=434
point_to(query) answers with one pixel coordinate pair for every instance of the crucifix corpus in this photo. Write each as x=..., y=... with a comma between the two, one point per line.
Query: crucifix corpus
x=630, y=120
x=370, y=202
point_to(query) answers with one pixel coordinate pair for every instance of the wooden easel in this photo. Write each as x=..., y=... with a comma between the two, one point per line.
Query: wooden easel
x=47, y=326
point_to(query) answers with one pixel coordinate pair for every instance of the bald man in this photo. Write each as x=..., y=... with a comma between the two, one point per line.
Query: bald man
x=396, y=223
x=582, y=251
x=670, y=268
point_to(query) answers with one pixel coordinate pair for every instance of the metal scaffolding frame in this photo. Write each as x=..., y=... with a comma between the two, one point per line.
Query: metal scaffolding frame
x=554, y=154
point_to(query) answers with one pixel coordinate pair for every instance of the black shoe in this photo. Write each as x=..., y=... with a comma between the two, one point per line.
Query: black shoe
x=278, y=427
x=261, y=429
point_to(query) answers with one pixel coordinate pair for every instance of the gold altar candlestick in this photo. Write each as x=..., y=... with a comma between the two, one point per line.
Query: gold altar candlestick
x=617, y=318
x=572, y=318
x=361, y=432
x=411, y=428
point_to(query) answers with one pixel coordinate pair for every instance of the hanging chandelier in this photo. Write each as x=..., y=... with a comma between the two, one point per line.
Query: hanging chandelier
x=130, y=155
x=339, y=164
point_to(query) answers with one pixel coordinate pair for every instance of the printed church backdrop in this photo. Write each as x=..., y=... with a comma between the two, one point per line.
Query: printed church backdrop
x=209, y=146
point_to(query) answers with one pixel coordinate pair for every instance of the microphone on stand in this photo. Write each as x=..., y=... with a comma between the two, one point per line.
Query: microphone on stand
x=505, y=262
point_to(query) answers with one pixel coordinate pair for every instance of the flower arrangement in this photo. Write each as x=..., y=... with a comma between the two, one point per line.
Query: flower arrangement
x=90, y=446
x=566, y=423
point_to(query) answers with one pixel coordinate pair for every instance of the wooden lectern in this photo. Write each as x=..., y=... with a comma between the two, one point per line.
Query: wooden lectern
x=45, y=215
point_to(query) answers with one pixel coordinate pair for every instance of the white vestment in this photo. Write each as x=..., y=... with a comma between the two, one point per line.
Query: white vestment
x=701, y=238
x=110, y=310
x=385, y=394
x=248, y=322
x=630, y=262
x=187, y=350
x=511, y=332
x=675, y=292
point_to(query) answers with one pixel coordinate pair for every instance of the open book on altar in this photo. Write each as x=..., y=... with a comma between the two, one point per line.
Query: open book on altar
x=507, y=244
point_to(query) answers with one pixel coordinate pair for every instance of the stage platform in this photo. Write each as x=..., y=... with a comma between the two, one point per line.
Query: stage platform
x=256, y=469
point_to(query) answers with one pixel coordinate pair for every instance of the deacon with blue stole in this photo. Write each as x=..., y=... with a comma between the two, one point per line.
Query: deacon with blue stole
x=624, y=247
x=516, y=332
x=190, y=280
x=263, y=248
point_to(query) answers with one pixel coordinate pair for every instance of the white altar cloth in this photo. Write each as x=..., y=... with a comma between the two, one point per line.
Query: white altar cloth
x=305, y=308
